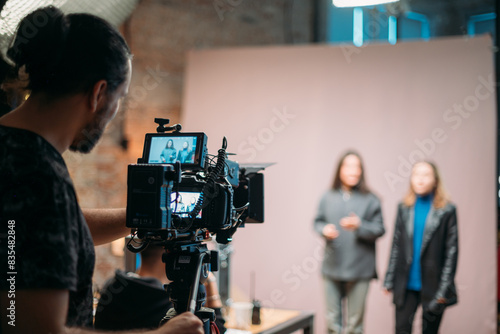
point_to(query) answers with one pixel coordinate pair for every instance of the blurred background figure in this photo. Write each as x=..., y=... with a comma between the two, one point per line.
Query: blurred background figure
x=350, y=220
x=424, y=252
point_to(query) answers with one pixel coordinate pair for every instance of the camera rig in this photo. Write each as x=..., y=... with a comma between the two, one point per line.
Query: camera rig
x=179, y=196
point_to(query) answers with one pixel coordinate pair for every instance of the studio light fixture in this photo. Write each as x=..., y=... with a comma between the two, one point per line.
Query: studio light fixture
x=12, y=11
x=360, y=3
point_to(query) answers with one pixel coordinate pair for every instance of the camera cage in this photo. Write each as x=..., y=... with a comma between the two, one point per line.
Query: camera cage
x=228, y=195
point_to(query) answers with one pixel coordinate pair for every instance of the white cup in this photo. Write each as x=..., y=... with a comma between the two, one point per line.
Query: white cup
x=242, y=314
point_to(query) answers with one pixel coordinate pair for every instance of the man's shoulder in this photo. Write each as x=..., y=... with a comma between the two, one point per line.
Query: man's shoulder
x=26, y=154
x=33, y=176
x=134, y=286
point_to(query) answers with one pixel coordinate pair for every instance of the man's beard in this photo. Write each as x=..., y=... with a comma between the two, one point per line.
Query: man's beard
x=90, y=135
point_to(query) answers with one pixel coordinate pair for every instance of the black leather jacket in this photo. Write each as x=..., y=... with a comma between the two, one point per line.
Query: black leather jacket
x=439, y=256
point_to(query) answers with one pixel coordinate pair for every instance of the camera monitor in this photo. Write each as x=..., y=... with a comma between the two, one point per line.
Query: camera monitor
x=168, y=148
x=183, y=202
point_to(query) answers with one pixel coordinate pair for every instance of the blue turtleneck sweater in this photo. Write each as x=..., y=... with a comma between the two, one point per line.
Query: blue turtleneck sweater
x=422, y=207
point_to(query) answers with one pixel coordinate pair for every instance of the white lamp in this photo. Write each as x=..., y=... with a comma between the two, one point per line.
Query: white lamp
x=114, y=11
x=360, y=3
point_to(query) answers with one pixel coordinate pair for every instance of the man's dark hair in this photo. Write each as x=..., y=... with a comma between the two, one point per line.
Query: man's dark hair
x=67, y=54
x=361, y=186
x=152, y=253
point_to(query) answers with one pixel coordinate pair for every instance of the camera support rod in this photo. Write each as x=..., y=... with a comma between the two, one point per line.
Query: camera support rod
x=194, y=288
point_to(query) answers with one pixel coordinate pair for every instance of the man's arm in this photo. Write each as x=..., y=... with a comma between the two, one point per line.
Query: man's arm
x=44, y=311
x=106, y=225
x=35, y=311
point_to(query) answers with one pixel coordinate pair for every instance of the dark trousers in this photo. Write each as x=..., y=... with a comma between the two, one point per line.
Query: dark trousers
x=406, y=313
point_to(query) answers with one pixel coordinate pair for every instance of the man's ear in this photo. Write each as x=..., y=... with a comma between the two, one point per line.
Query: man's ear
x=98, y=94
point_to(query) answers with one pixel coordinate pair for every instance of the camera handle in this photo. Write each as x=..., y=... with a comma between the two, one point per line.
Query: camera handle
x=164, y=121
x=187, y=268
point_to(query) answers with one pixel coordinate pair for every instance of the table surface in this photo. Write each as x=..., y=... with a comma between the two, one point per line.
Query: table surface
x=271, y=318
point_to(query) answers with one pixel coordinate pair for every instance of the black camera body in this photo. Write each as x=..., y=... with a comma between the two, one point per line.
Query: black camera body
x=149, y=187
x=177, y=190
x=179, y=196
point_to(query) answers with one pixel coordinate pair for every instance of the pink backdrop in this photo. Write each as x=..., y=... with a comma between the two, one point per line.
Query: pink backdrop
x=302, y=106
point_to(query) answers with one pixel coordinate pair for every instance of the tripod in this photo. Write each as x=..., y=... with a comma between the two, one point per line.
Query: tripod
x=187, y=265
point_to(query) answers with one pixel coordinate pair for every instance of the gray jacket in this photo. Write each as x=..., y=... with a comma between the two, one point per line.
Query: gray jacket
x=351, y=256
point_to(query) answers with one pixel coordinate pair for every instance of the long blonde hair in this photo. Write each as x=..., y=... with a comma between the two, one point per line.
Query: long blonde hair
x=441, y=197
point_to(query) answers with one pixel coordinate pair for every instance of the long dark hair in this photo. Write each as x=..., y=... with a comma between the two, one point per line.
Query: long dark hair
x=66, y=54
x=361, y=186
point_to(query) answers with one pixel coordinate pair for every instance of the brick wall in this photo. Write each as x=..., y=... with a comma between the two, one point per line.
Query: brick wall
x=160, y=32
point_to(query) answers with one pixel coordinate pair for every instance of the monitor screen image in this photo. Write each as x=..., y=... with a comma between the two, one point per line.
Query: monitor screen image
x=183, y=202
x=166, y=150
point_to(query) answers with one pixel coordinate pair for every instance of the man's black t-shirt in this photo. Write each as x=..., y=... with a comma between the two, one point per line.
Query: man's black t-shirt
x=41, y=221
x=129, y=301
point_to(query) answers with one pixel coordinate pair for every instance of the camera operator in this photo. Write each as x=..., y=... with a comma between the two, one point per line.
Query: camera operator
x=137, y=301
x=78, y=69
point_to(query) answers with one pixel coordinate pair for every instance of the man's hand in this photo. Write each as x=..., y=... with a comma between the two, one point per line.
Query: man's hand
x=350, y=223
x=213, y=297
x=330, y=232
x=185, y=323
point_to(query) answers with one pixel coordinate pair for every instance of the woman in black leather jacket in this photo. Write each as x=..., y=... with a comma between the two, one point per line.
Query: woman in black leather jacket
x=424, y=252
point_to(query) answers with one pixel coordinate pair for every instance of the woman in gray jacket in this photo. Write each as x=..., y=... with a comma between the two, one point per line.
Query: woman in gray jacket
x=350, y=220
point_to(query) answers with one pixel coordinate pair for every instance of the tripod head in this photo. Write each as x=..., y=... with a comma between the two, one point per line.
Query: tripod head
x=187, y=265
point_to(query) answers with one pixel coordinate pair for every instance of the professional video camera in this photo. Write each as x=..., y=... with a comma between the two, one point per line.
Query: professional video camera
x=179, y=196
